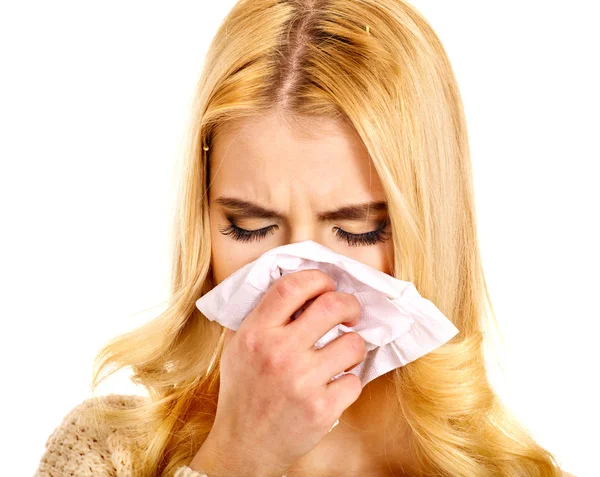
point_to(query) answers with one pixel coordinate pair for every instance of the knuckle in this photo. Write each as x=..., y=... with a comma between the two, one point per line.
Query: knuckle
x=357, y=342
x=276, y=361
x=297, y=387
x=331, y=302
x=250, y=342
x=317, y=409
x=320, y=275
x=287, y=286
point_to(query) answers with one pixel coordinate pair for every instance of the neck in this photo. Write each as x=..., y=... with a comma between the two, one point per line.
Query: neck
x=369, y=439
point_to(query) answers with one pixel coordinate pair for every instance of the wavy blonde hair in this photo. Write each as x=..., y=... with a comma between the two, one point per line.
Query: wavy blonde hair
x=379, y=66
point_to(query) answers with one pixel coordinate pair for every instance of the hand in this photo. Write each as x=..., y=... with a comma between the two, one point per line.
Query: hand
x=276, y=398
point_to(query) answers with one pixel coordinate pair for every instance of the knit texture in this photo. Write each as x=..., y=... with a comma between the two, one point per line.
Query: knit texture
x=78, y=449
x=186, y=471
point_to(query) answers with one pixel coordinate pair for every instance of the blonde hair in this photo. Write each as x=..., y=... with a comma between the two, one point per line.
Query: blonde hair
x=379, y=66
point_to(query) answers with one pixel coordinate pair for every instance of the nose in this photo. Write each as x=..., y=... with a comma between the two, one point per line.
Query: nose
x=302, y=232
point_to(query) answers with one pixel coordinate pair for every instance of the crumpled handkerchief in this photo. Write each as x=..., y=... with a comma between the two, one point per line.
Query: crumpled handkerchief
x=397, y=323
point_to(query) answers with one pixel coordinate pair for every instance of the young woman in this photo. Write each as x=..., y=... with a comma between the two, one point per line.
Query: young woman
x=338, y=121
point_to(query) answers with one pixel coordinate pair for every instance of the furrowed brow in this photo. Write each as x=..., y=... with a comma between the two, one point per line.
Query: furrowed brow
x=353, y=212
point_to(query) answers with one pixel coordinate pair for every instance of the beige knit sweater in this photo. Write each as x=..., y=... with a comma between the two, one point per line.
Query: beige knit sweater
x=76, y=449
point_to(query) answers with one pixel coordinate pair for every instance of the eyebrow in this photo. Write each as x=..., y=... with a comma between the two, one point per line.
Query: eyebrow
x=346, y=212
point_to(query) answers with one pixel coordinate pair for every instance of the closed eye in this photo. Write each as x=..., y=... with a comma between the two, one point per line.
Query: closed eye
x=381, y=234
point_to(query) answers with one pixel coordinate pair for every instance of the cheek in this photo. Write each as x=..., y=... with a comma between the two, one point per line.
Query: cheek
x=222, y=260
x=227, y=256
x=381, y=257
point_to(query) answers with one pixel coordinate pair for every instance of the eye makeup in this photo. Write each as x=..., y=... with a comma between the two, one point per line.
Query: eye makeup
x=381, y=234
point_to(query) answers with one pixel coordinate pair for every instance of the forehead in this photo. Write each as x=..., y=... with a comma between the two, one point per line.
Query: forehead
x=265, y=155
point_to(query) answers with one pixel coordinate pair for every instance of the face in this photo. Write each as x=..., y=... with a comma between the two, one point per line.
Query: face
x=271, y=185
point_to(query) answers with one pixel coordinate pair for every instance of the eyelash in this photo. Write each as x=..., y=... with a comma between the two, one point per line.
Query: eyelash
x=354, y=240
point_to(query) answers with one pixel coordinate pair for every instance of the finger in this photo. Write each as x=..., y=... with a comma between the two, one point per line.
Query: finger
x=286, y=295
x=346, y=389
x=327, y=311
x=341, y=354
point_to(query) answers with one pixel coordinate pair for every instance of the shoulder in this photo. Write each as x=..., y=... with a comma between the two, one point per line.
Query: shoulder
x=79, y=446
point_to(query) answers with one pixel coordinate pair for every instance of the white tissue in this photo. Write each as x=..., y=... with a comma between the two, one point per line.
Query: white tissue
x=397, y=323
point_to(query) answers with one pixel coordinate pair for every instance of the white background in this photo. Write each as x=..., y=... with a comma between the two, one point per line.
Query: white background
x=94, y=98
